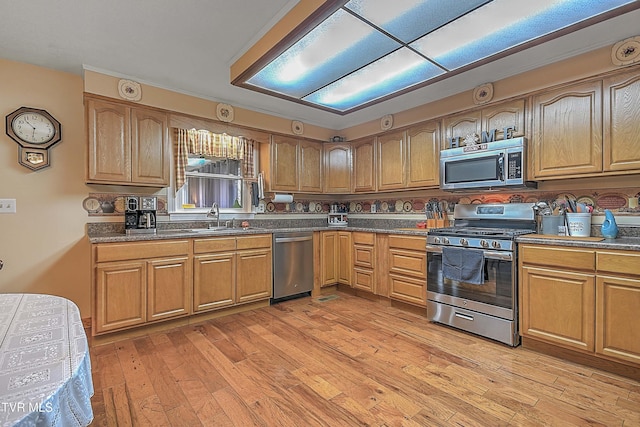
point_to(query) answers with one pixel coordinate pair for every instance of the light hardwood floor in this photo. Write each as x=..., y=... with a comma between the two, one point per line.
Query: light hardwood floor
x=346, y=361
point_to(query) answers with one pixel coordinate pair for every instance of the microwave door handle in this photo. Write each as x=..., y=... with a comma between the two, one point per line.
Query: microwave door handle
x=501, y=167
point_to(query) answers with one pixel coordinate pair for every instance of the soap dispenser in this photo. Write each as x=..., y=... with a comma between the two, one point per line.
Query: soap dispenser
x=609, y=227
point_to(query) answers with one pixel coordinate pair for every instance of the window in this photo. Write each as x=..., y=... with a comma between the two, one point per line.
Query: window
x=211, y=180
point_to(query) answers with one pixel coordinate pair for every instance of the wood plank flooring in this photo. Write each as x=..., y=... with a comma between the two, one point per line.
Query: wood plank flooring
x=346, y=361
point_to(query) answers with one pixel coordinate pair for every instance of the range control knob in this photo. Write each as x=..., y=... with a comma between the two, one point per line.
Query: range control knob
x=464, y=242
x=496, y=245
x=484, y=243
x=436, y=240
x=445, y=240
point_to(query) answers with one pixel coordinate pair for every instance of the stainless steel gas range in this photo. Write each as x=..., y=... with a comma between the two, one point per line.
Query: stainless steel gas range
x=472, y=269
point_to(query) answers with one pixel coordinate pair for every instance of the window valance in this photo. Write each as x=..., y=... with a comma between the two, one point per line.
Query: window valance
x=205, y=143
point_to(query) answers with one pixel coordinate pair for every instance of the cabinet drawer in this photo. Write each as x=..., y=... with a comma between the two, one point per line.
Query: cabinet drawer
x=254, y=242
x=363, y=238
x=574, y=259
x=618, y=262
x=363, y=279
x=414, y=243
x=218, y=244
x=138, y=250
x=363, y=256
x=409, y=263
x=408, y=289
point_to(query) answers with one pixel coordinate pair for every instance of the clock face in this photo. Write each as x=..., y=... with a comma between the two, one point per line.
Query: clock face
x=33, y=128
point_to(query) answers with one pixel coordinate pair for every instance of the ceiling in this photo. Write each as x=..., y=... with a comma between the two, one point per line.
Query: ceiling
x=188, y=46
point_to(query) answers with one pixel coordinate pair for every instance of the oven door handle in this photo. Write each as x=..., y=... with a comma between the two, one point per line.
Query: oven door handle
x=502, y=256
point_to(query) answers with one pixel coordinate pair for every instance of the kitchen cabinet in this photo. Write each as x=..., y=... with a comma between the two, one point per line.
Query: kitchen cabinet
x=567, y=131
x=335, y=257
x=337, y=168
x=617, y=303
x=410, y=158
x=557, y=295
x=127, y=145
x=292, y=165
x=581, y=299
x=407, y=269
x=498, y=117
x=364, y=160
x=621, y=122
x=231, y=270
x=140, y=282
x=364, y=255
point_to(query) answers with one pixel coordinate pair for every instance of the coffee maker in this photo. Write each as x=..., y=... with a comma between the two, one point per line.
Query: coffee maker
x=140, y=214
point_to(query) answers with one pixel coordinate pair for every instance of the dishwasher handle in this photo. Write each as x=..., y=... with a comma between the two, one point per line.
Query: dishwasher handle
x=293, y=239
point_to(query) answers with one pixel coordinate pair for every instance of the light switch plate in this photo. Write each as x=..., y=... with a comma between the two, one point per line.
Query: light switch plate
x=7, y=205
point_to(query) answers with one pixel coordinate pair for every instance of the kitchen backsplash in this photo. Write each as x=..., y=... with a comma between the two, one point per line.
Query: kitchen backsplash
x=617, y=200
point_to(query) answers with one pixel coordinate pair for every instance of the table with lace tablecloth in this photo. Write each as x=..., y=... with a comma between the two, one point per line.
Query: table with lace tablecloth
x=45, y=370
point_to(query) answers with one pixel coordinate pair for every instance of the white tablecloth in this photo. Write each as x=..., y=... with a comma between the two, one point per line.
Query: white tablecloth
x=45, y=370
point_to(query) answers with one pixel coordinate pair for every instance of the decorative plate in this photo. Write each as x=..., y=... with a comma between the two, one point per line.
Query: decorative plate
x=297, y=127
x=626, y=52
x=224, y=112
x=407, y=206
x=358, y=207
x=352, y=207
x=299, y=207
x=312, y=206
x=271, y=207
x=399, y=205
x=483, y=93
x=91, y=204
x=386, y=122
x=318, y=207
x=130, y=90
x=384, y=206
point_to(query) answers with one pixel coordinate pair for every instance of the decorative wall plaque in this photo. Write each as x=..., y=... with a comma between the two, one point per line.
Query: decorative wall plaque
x=130, y=90
x=297, y=127
x=386, y=122
x=224, y=112
x=626, y=52
x=483, y=94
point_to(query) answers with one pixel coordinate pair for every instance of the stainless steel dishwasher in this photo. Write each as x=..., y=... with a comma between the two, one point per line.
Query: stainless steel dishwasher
x=292, y=265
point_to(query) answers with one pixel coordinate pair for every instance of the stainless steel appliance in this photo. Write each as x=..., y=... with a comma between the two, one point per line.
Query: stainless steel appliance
x=472, y=269
x=140, y=214
x=488, y=165
x=292, y=265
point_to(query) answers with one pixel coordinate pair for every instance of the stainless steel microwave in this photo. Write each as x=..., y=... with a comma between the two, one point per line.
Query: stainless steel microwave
x=492, y=165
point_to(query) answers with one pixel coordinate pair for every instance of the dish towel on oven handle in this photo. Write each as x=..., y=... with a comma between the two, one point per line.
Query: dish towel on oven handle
x=463, y=265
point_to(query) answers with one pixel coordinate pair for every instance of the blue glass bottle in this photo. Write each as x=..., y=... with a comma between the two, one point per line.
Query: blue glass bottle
x=609, y=227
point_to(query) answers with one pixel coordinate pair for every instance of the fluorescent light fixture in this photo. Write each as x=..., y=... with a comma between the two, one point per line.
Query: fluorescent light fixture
x=360, y=52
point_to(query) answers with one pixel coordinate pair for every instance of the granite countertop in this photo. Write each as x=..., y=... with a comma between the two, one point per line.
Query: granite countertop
x=164, y=234
x=621, y=243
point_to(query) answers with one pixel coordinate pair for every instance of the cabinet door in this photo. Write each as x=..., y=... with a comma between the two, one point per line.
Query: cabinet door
x=364, y=279
x=337, y=168
x=567, y=131
x=345, y=264
x=423, y=154
x=622, y=122
x=169, y=288
x=617, y=327
x=558, y=307
x=329, y=258
x=214, y=280
x=284, y=164
x=391, y=161
x=461, y=125
x=109, y=141
x=408, y=289
x=150, y=147
x=254, y=275
x=364, y=161
x=120, y=295
x=501, y=116
x=310, y=166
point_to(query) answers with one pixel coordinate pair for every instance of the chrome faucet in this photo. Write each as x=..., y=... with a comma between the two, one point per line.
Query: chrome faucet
x=214, y=212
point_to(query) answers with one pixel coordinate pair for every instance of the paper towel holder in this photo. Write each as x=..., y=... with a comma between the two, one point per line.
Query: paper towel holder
x=282, y=198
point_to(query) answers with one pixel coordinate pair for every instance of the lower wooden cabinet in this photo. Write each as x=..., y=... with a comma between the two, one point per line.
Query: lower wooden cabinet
x=335, y=257
x=582, y=299
x=254, y=271
x=136, y=283
x=408, y=269
x=364, y=255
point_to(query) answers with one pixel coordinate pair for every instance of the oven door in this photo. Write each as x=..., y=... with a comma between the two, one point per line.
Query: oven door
x=496, y=296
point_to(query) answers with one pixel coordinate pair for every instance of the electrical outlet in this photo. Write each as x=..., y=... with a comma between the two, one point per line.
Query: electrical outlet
x=7, y=205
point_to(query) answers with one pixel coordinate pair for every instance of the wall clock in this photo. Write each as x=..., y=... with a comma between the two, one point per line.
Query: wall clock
x=33, y=128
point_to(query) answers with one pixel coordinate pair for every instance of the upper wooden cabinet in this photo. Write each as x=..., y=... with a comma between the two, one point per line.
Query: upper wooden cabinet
x=292, y=165
x=337, y=168
x=498, y=117
x=363, y=154
x=567, y=131
x=622, y=122
x=410, y=158
x=127, y=145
